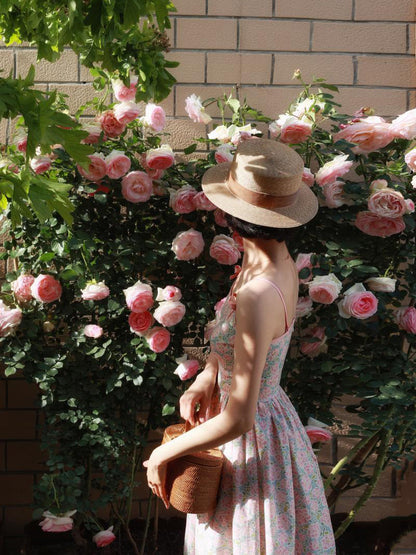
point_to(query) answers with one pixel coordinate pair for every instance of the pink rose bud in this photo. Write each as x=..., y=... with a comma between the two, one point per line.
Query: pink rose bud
x=307, y=177
x=46, y=289
x=219, y=218
x=169, y=313
x=169, y=293
x=94, y=133
x=186, y=369
x=10, y=318
x=97, y=168
x=188, y=245
x=118, y=164
x=94, y=291
x=358, y=303
x=315, y=347
x=21, y=287
x=369, y=134
x=406, y=319
x=123, y=92
x=378, y=184
x=21, y=140
x=105, y=537
x=92, y=330
x=139, y=297
x=330, y=171
x=110, y=124
x=154, y=117
x=317, y=434
x=136, y=187
x=202, y=202
x=57, y=523
x=293, y=130
x=378, y=226
x=195, y=110
x=224, y=153
x=158, y=339
x=303, y=260
x=410, y=159
x=140, y=322
x=182, y=200
x=304, y=307
x=381, y=284
x=404, y=126
x=410, y=206
x=41, y=164
x=387, y=203
x=126, y=112
x=160, y=158
x=325, y=289
x=224, y=249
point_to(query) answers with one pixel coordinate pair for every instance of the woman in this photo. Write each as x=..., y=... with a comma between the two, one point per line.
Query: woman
x=271, y=496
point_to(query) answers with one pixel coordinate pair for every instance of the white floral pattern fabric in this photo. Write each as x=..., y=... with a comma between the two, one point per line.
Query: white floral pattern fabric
x=271, y=499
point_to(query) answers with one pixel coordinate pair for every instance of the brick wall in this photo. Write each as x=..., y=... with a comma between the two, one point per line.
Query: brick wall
x=252, y=47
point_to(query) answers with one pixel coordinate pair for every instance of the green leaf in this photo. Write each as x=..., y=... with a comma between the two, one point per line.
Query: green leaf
x=168, y=410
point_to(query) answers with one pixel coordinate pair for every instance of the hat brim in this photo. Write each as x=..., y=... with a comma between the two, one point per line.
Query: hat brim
x=215, y=187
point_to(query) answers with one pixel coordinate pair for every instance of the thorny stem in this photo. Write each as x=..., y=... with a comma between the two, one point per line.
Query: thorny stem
x=126, y=527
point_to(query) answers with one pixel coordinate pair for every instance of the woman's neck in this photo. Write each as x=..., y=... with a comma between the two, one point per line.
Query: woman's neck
x=260, y=254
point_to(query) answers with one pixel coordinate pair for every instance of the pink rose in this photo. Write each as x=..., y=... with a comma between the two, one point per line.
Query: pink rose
x=382, y=284
x=307, y=177
x=313, y=348
x=219, y=218
x=57, y=523
x=94, y=133
x=41, y=164
x=410, y=159
x=46, y=289
x=110, y=124
x=169, y=293
x=406, y=318
x=304, y=307
x=182, y=200
x=387, y=203
x=224, y=249
x=97, y=168
x=21, y=287
x=317, y=434
x=303, y=260
x=293, y=130
x=21, y=140
x=140, y=322
x=405, y=125
x=160, y=158
x=410, y=206
x=330, y=171
x=123, y=92
x=118, y=164
x=10, y=318
x=195, y=110
x=224, y=153
x=378, y=184
x=369, y=134
x=188, y=245
x=154, y=117
x=169, y=313
x=222, y=133
x=325, y=289
x=158, y=339
x=377, y=226
x=186, y=369
x=105, y=537
x=94, y=291
x=334, y=194
x=139, y=297
x=136, y=187
x=358, y=302
x=92, y=330
x=202, y=202
x=155, y=175
x=126, y=112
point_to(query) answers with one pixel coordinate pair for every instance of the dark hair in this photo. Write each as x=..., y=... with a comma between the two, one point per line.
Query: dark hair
x=255, y=231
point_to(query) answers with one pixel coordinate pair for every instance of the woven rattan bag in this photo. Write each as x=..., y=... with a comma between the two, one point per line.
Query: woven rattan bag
x=192, y=481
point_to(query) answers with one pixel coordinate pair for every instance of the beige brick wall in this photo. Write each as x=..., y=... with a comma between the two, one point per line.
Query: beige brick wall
x=251, y=48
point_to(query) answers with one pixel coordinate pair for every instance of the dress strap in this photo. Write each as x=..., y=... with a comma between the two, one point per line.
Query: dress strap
x=277, y=288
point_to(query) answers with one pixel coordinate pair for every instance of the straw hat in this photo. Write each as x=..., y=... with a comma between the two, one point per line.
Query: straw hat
x=262, y=185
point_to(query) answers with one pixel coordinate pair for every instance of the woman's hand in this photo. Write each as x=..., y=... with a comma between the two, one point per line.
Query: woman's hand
x=156, y=477
x=195, y=403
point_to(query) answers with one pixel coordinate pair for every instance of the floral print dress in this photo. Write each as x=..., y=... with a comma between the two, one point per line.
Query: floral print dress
x=271, y=499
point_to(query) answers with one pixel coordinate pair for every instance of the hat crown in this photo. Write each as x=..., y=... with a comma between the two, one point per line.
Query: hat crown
x=267, y=167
